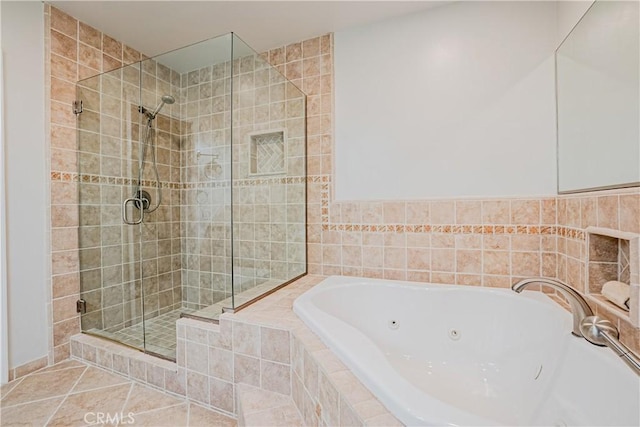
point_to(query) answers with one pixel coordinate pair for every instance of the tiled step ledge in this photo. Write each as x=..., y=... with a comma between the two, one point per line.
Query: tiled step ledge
x=265, y=346
x=323, y=389
x=261, y=407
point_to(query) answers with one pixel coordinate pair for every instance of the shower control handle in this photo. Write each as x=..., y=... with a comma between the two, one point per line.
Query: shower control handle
x=139, y=202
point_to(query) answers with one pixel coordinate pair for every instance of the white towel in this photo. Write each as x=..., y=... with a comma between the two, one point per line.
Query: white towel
x=618, y=293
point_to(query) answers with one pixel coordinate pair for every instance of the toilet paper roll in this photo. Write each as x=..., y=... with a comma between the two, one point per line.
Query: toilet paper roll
x=618, y=293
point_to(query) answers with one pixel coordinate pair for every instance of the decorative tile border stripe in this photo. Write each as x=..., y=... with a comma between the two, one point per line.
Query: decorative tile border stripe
x=572, y=233
x=100, y=179
x=530, y=230
x=445, y=229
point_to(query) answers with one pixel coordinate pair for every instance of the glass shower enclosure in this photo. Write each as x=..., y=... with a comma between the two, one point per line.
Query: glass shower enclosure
x=192, y=188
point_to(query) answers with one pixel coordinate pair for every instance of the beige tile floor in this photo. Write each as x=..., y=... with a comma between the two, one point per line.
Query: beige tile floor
x=74, y=394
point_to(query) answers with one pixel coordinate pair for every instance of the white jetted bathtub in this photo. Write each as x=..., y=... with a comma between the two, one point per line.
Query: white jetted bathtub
x=459, y=355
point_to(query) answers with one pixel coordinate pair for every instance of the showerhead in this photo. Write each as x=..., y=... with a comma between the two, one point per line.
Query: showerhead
x=166, y=99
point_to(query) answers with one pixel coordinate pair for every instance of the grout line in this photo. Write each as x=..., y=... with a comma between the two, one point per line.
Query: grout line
x=160, y=409
x=33, y=401
x=126, y=401
x=17, y=383
x=40, y=372
x=66, y=396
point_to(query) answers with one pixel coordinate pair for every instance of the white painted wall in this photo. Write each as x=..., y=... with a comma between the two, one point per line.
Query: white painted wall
x=454, y=101
x=569, y=13
x=25, y=166
x=4, y=328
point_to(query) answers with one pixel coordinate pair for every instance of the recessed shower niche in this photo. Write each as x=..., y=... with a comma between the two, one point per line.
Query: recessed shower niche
x=267, y=153
x=614, y=256
x=172, y=221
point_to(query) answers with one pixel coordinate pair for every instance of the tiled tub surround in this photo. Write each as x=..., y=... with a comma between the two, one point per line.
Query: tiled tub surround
x=265, y=346
x=609, y=213
x=397, y=338
x=474, y=242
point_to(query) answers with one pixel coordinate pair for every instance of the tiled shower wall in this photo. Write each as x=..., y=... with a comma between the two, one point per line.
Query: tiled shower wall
x=110, y=252
x=74, y=51
x=268, y=173
x=206, y=200
x=268, y=216
x=488, y=242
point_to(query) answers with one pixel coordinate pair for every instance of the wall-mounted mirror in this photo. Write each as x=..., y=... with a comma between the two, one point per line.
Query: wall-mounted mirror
x=598, y=95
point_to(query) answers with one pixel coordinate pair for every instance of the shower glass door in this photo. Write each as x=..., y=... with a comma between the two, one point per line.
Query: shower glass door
x=269, y=177
x=110, y=249
x=193, y=139
x=160, y=186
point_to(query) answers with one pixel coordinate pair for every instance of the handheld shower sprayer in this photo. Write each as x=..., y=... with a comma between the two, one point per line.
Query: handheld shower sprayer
x=166, y=99
x=141, y=197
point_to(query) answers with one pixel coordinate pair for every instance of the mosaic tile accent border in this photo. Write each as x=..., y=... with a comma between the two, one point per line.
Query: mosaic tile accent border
x=100, y=179
x=445, y=229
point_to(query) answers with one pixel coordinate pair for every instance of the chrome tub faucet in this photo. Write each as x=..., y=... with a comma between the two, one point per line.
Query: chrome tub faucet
x=594, y=329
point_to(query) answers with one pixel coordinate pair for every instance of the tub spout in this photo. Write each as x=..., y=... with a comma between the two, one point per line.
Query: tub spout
x=579, y=307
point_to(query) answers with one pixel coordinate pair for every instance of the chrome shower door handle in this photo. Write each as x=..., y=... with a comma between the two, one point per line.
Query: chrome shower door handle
x=125, y=217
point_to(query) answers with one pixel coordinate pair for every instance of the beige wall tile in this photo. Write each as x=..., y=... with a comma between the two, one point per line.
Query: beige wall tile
x=525, y=212
x=630, y=213
x=90, y=57
x=496, y=212
x=328, y=398
x=469, y=261
x=90, y=36
x=63, y=45
x=419, y=259
x=274, y=345
x=64, y=23
x=221, y=395
x=197, y=387
x=442, y=212
x=496, y=262
x=275, y=377
x=293, y=52
x=65, y=285
x=608, y=212
x=395, y=258
x=443, y=260
x=246, y=370
x=574, y=213
x=468, y=212
x=111, y=47
x=525, y=264
x=549, y=211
